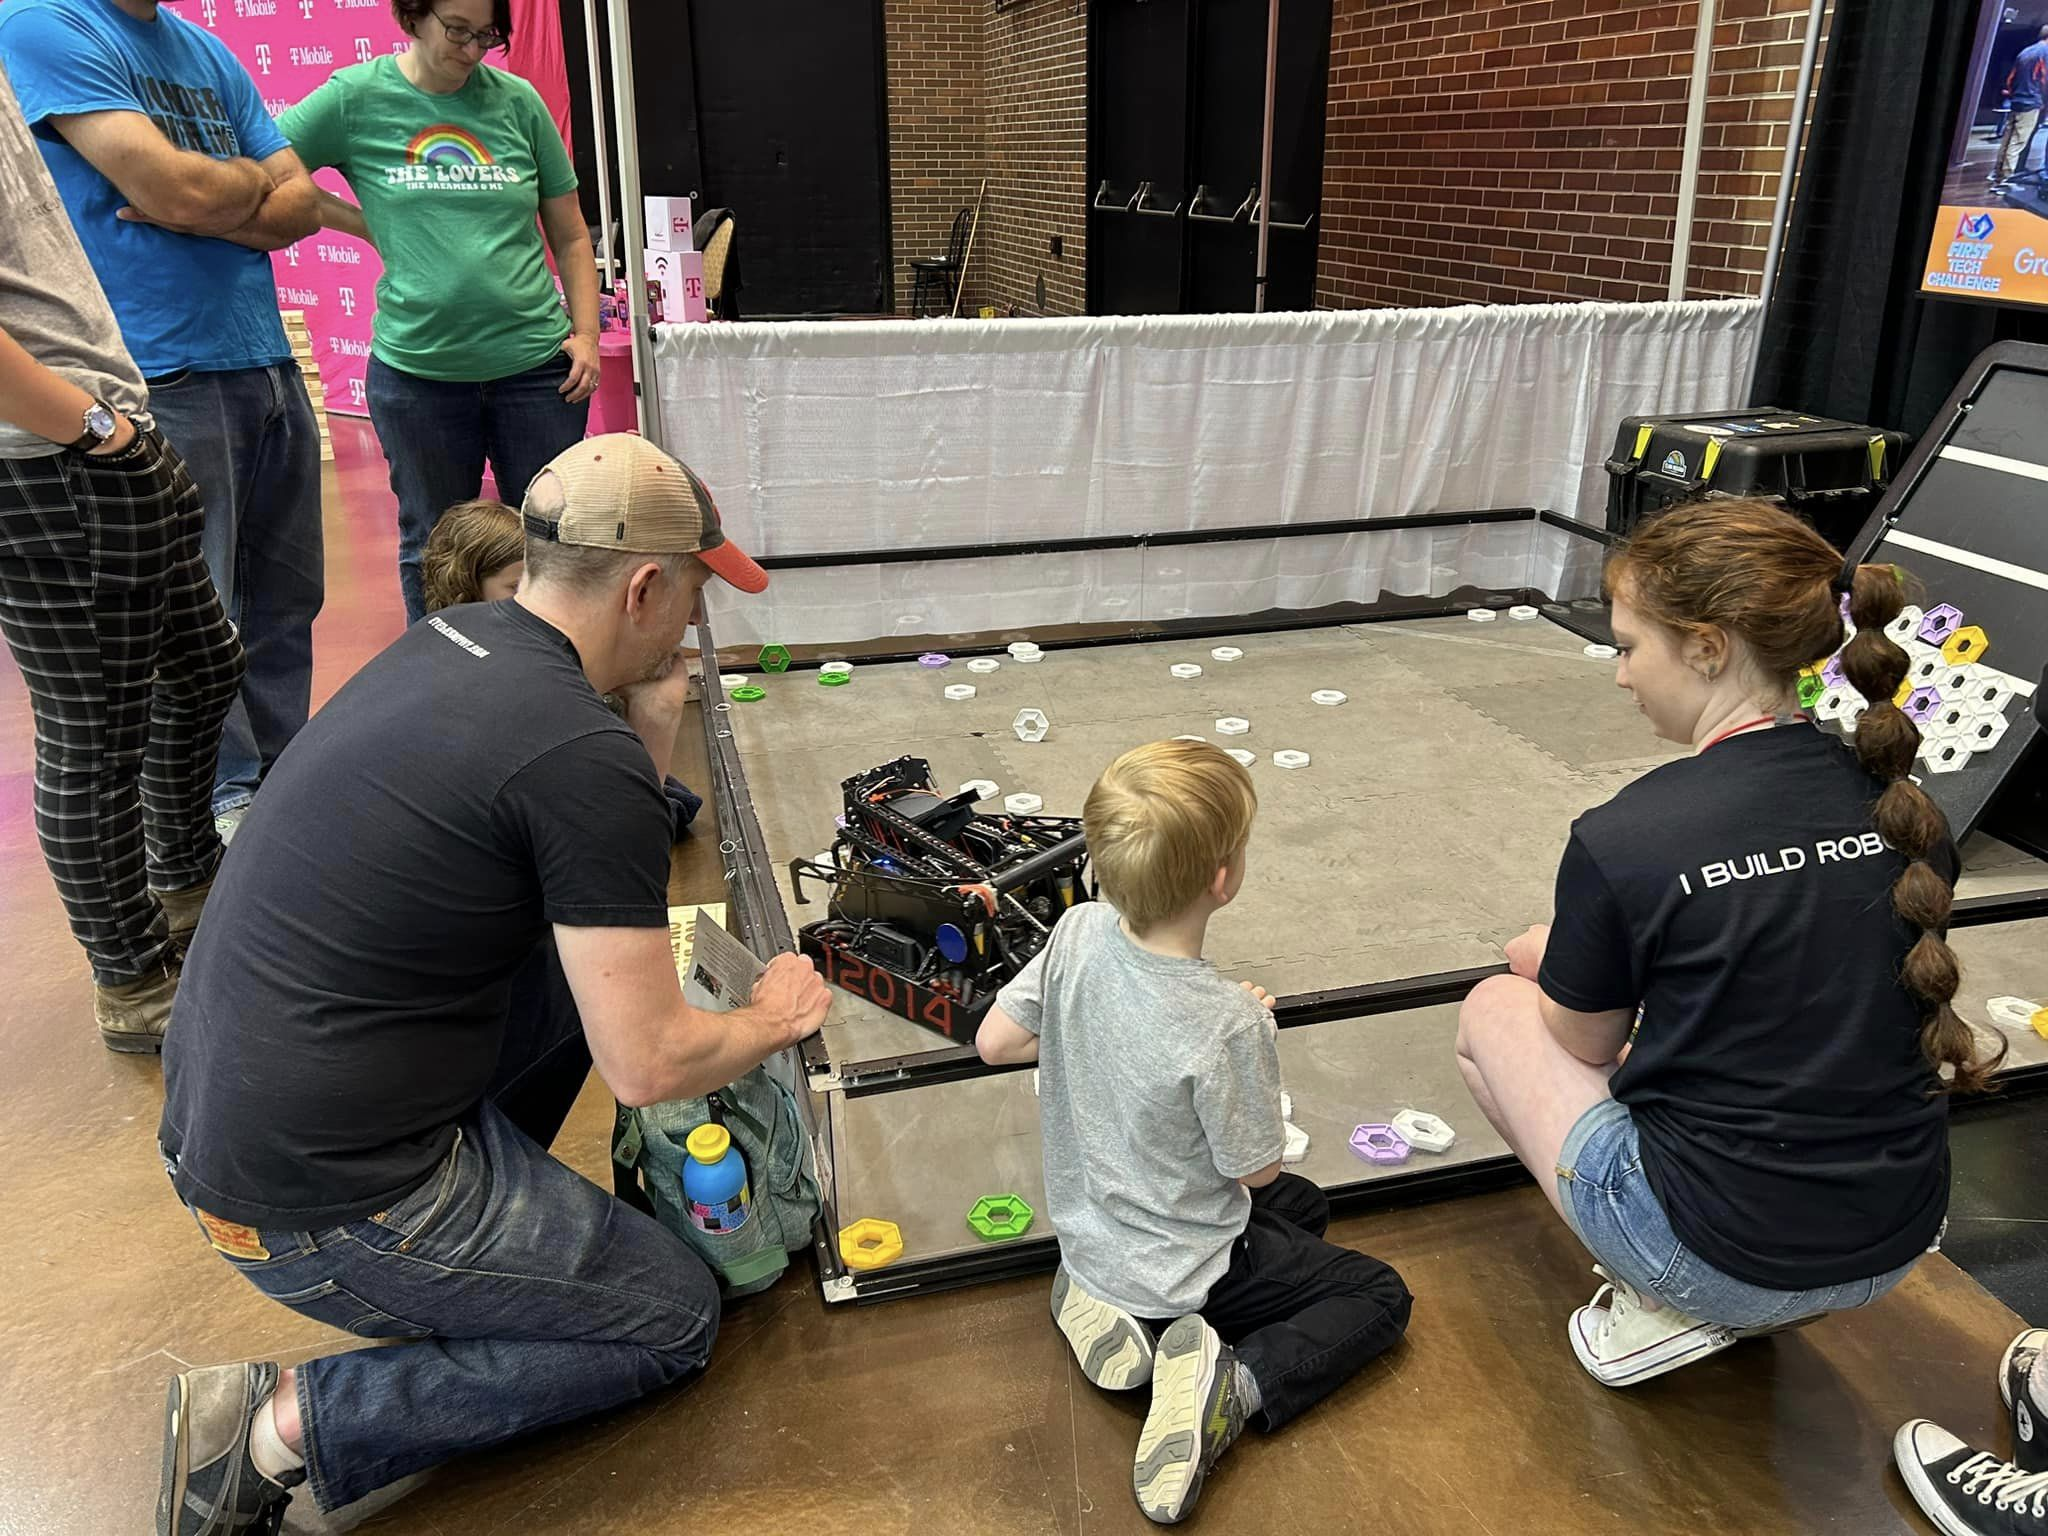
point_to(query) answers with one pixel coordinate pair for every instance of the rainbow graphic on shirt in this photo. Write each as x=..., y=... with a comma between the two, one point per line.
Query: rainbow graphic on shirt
x=446, y=144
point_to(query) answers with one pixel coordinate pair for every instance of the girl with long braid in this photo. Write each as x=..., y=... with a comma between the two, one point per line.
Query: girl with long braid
x=1725, y=1060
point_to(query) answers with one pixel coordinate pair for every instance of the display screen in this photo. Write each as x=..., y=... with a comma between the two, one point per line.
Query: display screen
x=1990, y=239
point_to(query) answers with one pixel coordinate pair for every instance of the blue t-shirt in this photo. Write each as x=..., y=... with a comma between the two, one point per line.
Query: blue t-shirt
x=2029, y=77
x=183, y=301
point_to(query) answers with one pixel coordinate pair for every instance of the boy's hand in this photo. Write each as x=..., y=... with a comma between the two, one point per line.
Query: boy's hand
x=1525, y=954
x=1259, y=995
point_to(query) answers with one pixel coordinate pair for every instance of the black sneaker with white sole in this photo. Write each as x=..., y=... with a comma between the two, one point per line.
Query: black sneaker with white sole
x=1197, y=1412
x=2029, y=1413
x=1965, y=1491
x=210, y=1486
x=1114, y=1349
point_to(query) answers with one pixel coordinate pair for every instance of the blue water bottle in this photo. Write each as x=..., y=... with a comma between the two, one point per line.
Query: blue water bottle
x=715, y=1181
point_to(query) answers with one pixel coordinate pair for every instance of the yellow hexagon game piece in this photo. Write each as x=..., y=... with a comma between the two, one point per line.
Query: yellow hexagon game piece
x=870, y=1243
x=1966, y=645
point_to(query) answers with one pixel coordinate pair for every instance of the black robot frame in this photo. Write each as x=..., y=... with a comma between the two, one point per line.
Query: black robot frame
x=935, y=905
x=760, y=919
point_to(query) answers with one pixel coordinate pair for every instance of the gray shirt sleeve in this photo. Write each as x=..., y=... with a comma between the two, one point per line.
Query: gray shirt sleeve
x=1023, y=997
x=1237, y=1098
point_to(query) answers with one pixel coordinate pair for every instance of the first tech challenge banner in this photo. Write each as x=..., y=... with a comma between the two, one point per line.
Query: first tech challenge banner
x=1988, y=253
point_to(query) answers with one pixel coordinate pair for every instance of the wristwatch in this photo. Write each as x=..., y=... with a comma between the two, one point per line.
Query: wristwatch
x=100, y=426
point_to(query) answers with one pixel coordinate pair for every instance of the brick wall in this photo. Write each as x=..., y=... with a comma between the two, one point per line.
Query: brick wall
x=1035, y=65
x=1502, y=153
x=977, y=92
x=936, y=117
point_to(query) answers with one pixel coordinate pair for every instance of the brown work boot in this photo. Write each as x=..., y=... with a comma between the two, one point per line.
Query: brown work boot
x=134, y=1015
x=183, y=909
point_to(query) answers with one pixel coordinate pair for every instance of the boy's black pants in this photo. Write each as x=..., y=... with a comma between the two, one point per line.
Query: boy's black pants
x=1303, y=1315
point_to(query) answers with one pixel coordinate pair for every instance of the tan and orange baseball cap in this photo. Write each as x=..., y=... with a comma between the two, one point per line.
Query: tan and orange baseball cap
x=621, y=492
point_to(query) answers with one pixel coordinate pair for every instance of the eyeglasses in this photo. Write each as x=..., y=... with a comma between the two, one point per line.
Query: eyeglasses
x=462, y=37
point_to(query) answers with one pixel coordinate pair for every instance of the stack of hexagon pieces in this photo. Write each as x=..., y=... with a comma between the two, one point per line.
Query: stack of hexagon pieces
x=1957, y=701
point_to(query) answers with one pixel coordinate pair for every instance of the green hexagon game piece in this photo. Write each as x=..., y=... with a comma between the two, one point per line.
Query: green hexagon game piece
x=834, y=679
x=1000, y=1218
x=748, y=693
x=774, y=658
x=1810, y=690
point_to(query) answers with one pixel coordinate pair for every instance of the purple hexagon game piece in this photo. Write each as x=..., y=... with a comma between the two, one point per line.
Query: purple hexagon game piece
x=1832, y=674
x=1939, y=622
x=1920, y=704
x=1380, y=1144
x=934, y=659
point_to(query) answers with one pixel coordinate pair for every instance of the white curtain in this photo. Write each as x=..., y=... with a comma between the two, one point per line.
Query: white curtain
x=820, y=436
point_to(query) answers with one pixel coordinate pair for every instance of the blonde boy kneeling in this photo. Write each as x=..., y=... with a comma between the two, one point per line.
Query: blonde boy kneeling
x=1159, y=1088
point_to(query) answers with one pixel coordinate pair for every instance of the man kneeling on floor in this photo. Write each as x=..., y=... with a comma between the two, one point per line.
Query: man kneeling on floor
x=450, y=897
x=1159, y=1091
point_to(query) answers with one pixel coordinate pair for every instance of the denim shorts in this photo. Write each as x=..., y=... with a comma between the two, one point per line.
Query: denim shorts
x=1608, y=1201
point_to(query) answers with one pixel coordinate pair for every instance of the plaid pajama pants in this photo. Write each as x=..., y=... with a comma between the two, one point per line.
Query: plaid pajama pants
x=131, y=667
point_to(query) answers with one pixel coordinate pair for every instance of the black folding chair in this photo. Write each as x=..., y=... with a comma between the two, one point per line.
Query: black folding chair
x=940, y=276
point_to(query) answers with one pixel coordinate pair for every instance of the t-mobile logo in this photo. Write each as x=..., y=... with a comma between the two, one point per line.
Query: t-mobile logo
x=305, y=10
x=262, y=49
x=209, y=10
x=348, y=300
x=364, y=53
x=355, y=391
x=291, y=253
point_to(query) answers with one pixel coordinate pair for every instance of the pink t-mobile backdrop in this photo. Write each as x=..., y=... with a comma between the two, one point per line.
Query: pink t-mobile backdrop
x=290, y=47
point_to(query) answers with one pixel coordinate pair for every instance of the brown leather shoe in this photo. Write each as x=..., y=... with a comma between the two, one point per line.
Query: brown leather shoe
x=183, y=909
x=134, y=1015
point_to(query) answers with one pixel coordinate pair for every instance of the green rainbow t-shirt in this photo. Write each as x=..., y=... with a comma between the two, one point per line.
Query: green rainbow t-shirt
x=450, y=187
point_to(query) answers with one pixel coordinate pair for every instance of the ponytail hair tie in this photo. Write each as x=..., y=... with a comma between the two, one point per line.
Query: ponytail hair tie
x=1845, y=579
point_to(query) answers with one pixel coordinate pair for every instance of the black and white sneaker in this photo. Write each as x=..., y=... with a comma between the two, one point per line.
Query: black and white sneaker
x=1965, y=1491
x=1114, y=1349
x=1197, y=1412
x=2029, y=1413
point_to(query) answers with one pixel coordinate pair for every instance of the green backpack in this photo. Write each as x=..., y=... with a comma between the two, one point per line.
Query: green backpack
x=761, y=1116
x=757, y=1109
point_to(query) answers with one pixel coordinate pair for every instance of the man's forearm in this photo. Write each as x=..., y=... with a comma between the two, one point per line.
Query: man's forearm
x=703, y=1051
x=215, y=196
x=291, y=212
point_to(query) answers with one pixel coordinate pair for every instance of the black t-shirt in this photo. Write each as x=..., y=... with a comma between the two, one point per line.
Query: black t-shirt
x=345, y=1001
x=1789, y=1122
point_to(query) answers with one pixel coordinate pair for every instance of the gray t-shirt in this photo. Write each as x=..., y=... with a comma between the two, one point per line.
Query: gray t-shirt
x=50, y=302
x=1158, y=1089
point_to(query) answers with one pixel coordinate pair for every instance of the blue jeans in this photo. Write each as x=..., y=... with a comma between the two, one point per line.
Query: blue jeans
x=251, y=441
x=436, y=437
x=533, y=1296
x=1608, y=1201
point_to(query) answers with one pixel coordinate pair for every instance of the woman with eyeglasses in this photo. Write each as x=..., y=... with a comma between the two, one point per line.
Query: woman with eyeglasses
x=471, y=356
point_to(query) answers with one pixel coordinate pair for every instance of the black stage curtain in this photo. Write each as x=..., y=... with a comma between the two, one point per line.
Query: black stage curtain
x=1848, y=333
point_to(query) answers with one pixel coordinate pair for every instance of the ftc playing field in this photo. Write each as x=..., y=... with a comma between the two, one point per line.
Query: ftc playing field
x=1422, y=833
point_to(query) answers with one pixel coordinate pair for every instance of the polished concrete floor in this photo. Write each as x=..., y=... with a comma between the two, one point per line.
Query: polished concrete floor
x=954, y=1413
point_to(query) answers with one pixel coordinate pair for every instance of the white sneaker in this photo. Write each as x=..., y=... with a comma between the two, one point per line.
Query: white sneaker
x=1621, y=1342
x=1197, y=1412
x=1113, y=1347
